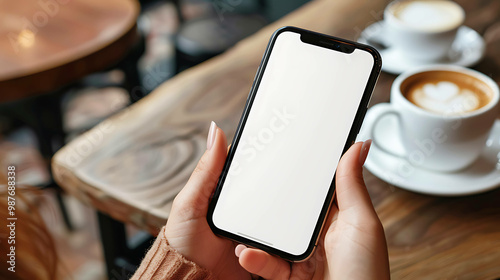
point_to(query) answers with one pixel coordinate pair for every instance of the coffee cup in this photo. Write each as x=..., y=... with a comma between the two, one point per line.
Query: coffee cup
x=444, y=113
x=422, y=30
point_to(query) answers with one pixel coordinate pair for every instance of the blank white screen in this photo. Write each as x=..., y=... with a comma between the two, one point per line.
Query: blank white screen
x=291, y=143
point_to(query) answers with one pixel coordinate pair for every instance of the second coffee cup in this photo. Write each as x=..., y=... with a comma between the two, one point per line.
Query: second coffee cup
x=422, y=30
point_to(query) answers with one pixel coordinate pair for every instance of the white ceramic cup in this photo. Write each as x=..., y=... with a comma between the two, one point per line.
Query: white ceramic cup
x=433, y=141
x=424, y=32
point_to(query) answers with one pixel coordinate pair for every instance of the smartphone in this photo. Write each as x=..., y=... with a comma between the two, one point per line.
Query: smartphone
x=304, y=110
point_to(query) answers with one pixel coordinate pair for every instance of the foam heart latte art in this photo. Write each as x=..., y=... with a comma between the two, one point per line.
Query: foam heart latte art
x=447, y=93
x=445, y=97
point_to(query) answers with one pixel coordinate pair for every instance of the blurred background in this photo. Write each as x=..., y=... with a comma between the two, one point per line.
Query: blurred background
x=107, y=67
x=42, y=109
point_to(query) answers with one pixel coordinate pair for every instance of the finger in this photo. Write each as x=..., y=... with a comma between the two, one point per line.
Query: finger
x=261, y=263
x=204, y=179
x=238, y=249
x=332, y=216
x=351, y=190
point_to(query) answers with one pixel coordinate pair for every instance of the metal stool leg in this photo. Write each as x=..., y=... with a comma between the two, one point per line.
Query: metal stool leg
x=43, y=115
x=115, y=248
x=64, y=210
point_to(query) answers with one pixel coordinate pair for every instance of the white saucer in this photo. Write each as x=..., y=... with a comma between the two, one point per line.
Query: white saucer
x=467, y=50
x=483, y=175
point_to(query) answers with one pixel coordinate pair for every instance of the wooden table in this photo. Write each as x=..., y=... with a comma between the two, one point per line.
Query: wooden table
x=133, y=164
x=47, y=44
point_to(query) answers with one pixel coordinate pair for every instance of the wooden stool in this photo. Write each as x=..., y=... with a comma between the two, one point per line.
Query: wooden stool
x=132, y=165
x=46, y=46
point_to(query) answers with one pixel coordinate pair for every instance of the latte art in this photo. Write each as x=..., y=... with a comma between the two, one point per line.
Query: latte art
x=446, y=93
x=445, y=98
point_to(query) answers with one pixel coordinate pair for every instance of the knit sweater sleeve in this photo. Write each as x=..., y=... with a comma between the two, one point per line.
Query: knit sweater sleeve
x=164, y=262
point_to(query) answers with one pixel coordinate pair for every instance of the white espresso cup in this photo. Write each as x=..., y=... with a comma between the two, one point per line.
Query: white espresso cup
x=445, y=114
x=422, y=30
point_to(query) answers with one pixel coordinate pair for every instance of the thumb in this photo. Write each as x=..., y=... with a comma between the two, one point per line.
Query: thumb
x=201, y=184
x=352, y=195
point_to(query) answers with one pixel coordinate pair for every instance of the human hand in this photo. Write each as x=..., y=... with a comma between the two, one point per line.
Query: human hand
x=187, y=228
x=352, y=245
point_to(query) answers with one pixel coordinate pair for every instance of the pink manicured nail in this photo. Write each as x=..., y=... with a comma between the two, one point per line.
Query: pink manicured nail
x=239, y=249
x=211, y=135
x=364, y=151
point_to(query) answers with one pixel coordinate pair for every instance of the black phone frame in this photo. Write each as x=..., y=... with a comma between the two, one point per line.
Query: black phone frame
x=321, y=40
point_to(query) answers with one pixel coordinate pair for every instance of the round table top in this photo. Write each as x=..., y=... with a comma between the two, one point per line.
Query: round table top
x=47, y=44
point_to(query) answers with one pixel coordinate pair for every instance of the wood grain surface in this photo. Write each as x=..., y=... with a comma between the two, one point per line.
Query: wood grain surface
x=47, y=44
x=133, y=164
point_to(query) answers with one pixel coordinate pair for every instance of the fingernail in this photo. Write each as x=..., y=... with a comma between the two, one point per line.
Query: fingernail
x=239, y=249
x=211, y=135
x=364, y=151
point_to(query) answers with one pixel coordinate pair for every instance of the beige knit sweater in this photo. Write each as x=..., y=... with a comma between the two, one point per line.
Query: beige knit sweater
x=164, y=262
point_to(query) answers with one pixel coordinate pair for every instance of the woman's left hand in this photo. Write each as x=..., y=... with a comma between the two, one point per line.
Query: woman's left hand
x=187, y=228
